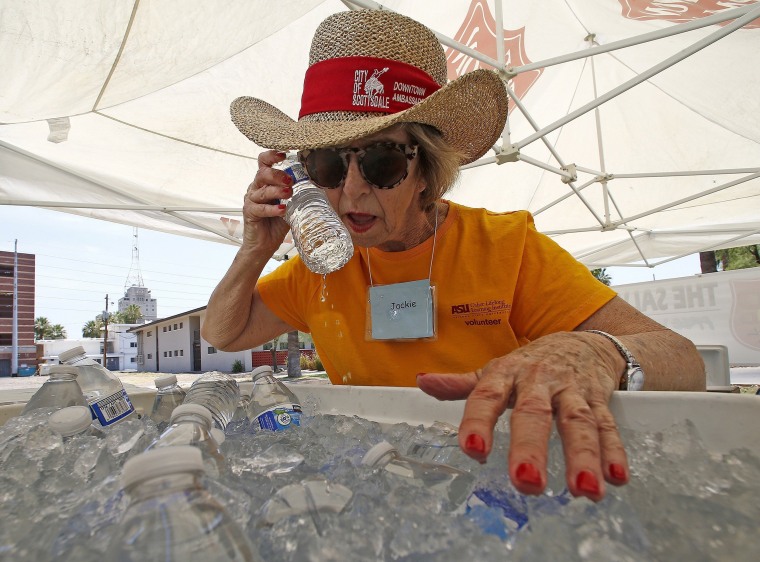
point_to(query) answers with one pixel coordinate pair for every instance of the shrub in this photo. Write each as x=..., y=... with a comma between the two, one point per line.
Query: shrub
x=237, y=366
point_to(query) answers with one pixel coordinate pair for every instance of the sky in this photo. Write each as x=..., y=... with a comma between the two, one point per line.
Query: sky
x=80, y=260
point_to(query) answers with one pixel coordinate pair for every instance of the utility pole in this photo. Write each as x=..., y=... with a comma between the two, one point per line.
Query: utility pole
x=14, y=329
x=105, y=334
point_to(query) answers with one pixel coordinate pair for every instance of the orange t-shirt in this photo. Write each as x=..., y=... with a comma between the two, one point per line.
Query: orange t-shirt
x=499, y=284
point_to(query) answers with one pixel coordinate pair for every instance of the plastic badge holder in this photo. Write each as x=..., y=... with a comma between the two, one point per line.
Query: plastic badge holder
x=70, y=421
x=161, y=462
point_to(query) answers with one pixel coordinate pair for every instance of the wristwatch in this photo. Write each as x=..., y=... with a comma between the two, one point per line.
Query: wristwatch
x=633, y=376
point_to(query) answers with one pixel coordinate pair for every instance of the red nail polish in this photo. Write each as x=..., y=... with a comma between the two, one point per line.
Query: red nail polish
x=421, y=374
x=282, y=206
x=528, y=474
x=475, y=444
x=617, y=471
x=587, y=482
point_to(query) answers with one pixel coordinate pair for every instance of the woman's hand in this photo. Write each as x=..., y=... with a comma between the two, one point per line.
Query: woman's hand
x=568, y=375
x=264, y=227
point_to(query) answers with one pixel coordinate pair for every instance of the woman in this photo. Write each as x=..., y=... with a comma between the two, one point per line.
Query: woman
x=492, y=311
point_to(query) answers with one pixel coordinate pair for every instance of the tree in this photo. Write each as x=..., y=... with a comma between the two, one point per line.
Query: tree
x=294, y=355
x=131, y=315
x=43, y=330
x=729, y=259
x=92, y=329
x=601, y=275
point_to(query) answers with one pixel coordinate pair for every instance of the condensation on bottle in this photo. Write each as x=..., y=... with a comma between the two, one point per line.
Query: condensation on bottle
x=219, y=392
x=322, y=240
x=273, y=405
x=172, y=515
x=454, y=484
x=169, y=395
x=103, y=390
x=59, y=391
x=191, y=424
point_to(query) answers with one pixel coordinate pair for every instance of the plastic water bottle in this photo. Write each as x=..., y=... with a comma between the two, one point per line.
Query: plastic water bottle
x=191, y=424
x=453, y=483
x=219, y=392
x=59, y=391
x=240, y=422
x=320, y=236
x=314, y=497
x=74, y=420
x=273, y=406
x=435, y=443
x=169, y=395
x=172, y=516
x=103, y=390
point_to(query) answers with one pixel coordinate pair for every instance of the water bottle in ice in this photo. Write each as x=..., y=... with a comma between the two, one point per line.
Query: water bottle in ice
x=240, y=422
x=191, y=424
x=435, y=443
x=273, y=406
x=59, y=391
x=172, y=516
x=219, y=392
x=321, y=238
x=103, y=390
x=169, y=395
x=313, y=497
x=74, y=421
x=453, y=483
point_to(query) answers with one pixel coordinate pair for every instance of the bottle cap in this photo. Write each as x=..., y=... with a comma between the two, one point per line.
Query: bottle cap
x=57, y=370
x=196, y=409
x=262, y=371
x=218, y=435
x=70, y=421
x=373, y=456
x=161, y=462
x=166, y=380
x=71, y=353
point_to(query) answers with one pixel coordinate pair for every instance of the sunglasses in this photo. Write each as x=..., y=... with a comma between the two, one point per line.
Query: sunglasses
x=383, y=165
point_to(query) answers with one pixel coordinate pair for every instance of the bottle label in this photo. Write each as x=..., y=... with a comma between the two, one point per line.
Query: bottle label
x=296, y=171
x=278, y=418
x=111, y=409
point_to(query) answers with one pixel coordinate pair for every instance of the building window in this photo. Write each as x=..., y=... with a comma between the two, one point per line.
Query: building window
x=133, y=344
x=150, y=333
x=176, y=353
x=180, y=325
x=181, y=352
x=132, y=359
x=211, y=350
x=6, y=305
x=164, y=328
x=267, y=346
x=6, y=271
x=164, y=354
x=6, y=339
x=150, y=356
x=175, y=326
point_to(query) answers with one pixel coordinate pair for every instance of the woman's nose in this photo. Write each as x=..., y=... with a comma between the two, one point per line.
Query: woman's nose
x=355, y=184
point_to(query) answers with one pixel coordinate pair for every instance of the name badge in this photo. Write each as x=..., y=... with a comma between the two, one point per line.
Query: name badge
x=402, y=311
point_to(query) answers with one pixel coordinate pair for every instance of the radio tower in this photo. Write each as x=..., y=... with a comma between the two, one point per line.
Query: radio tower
x=134, y=277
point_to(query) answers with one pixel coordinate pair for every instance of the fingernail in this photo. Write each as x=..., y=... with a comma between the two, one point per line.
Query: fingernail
x=587, y=482
x=475, y=444
x=281, y=154
x=617, y=471
x=282, y=206
x=528, y=474
x=421, y=374
x=288, y=180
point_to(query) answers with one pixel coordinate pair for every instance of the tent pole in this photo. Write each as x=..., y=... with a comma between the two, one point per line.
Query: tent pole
x=563, y=197
x=639, y=39
x=121, y=206
x=646, y=75
x=591, y=38
x=547, y=167
x=694, y=173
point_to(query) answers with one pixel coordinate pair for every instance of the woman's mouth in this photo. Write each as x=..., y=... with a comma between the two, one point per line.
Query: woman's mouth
x=360, y=222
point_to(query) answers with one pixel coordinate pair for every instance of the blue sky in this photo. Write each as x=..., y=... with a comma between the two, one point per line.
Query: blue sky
x=80, y=260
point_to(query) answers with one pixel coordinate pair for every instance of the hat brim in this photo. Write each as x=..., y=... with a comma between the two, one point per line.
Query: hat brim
x=470, y=113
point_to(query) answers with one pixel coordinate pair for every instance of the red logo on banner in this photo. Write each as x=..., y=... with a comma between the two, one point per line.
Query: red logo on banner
x=745, y=312
x=478, y=32
x=681, y=11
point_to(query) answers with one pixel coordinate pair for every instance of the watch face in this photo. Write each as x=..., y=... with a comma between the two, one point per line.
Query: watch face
x=635, y=378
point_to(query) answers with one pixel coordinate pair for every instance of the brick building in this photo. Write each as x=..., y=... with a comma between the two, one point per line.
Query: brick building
x=27, y=350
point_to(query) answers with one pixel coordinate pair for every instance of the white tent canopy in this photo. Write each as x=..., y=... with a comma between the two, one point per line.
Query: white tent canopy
x=633, y=137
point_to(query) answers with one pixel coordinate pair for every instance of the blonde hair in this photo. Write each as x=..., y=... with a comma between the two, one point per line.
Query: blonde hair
x=438, y=162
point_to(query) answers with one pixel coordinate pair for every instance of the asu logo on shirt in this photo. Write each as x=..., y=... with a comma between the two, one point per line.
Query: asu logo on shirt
x=482, y=313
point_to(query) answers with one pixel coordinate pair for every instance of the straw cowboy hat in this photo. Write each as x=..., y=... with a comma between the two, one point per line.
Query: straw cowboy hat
x=371, y=69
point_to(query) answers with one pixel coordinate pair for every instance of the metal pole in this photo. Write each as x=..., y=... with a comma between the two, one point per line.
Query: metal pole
x=14, y=340
x=105, y=334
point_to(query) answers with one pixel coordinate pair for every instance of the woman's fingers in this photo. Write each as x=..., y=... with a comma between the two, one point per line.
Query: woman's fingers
x=530, y=426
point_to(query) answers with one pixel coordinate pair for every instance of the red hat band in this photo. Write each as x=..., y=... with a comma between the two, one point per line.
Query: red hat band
x=364, y=84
